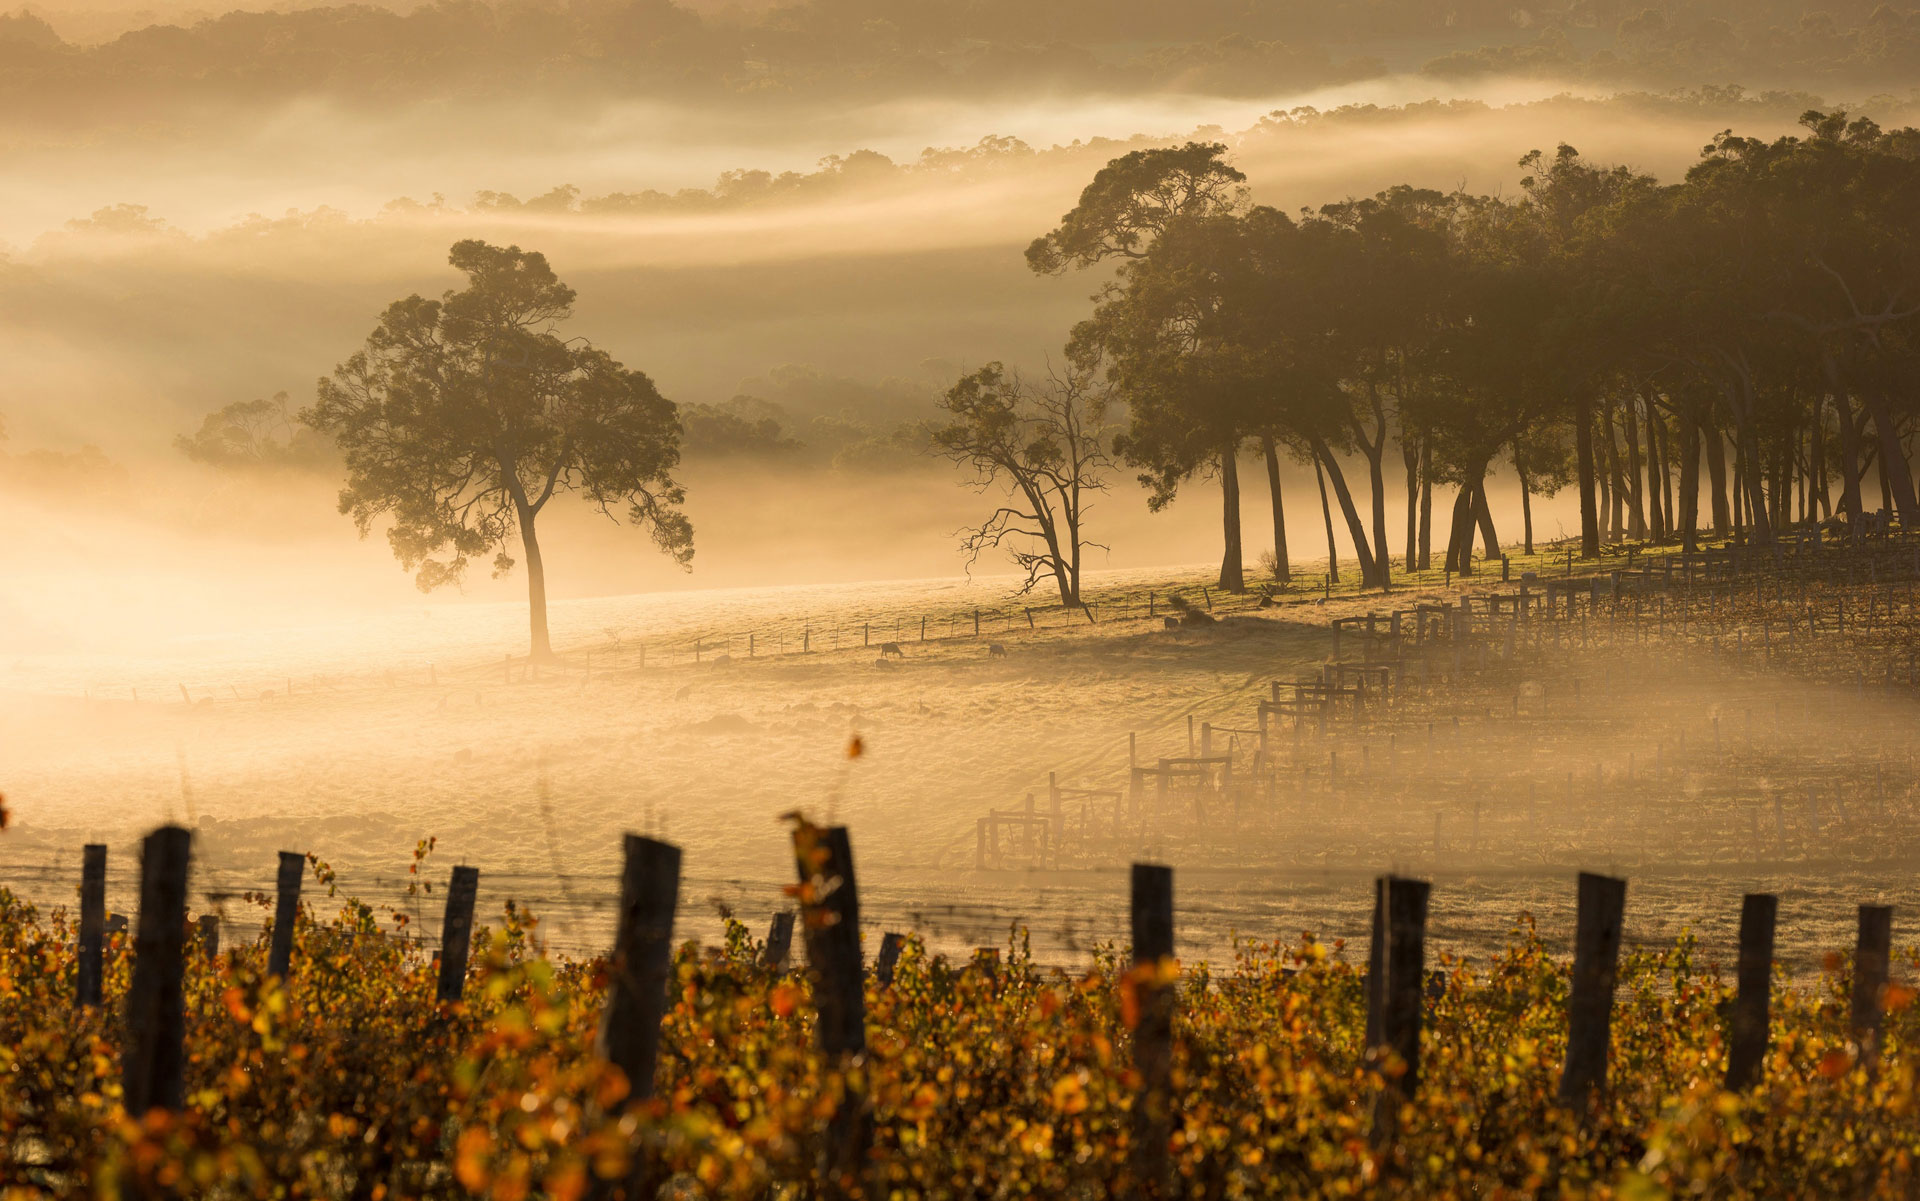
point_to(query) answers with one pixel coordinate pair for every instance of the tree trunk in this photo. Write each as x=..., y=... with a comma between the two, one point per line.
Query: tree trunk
x=1583, y=448
x=1232, y=566
x=1636, y=494
x=1782, y=496
x=1326, y=515
x=1716, y=449
x=1850, y=472
x=1484, y=515
x=1817, y=452
x=1377, y=480
x=1616, y=480
x=1460, y=534
x=1849, y=443
x=1893, y=460
x=1362, y=549
x=1739, y=493
x=1426, y=505
x=1410, y=455
x=1282, y=567
x=1609, y=513
x=536, y=583
x=1659, y=484
x=1526, y=500
x=1758, y=519
x=1689, y=479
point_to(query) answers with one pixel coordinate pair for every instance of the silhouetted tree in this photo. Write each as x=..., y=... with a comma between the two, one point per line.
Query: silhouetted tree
x=462, y=417
x=1041, y=444
x=1131, y=206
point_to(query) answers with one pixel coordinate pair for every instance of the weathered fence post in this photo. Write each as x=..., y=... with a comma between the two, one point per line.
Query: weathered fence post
x=1870, y=957
x=1396, y=982
x=831, y=917
x=779, y=941
x=629, y=1034
x=93, y=923
x=1747, y=1049
x=1152, y=906
x=156, y=1019
x=286, y=909
x=1596, y=961
x=456, y=932
x=1406, y=963
x=890, y=945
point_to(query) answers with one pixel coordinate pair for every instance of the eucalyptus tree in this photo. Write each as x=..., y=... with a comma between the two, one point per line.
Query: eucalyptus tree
x=1385, y=283
x=1126, y=214
x=463, y=417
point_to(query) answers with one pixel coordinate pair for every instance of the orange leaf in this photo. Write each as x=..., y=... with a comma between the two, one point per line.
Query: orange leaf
x=1835, y=1064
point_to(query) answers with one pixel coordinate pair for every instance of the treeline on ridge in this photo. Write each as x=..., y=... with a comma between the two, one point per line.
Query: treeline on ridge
x=1758, y=320
x=827, y=48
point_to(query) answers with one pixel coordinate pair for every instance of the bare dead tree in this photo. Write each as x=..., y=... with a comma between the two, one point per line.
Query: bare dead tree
x=1041, y=444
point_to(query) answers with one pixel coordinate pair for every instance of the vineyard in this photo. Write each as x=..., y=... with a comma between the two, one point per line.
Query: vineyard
x=994, y=1078
x=1693, y=725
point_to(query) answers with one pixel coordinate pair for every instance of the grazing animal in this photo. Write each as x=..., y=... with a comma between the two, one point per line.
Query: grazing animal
x=1172, y=623
x=1189, y=615
x=683, y=693
x=892, y=648
x=996, y=651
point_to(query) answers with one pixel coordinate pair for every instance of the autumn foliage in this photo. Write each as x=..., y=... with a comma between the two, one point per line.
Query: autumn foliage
x=348, y=1081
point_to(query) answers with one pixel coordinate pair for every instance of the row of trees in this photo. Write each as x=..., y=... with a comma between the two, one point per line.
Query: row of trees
x=1755, y=322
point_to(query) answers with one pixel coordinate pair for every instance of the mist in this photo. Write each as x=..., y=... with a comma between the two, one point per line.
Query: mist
x=832, y=260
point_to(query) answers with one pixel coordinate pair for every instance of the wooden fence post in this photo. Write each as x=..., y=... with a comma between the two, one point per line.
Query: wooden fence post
x=1747, y=1049
x=1152, y=909
x=832, y=932
x=779, y=941
x=1596, y=962
x=831, y=927
x=1870, y=957
x=93, y=923
x=1396, y=999
x=156, y=1005
x=456, y=932
x=629, y=1034
x=890, y=945
x=286, y=909
x=1406, y=982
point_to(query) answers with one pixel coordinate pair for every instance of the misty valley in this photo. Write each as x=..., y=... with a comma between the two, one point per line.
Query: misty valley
x=617, y=599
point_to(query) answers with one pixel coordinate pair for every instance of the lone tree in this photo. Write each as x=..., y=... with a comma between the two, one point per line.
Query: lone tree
x=464, y=416
x=1041, y=443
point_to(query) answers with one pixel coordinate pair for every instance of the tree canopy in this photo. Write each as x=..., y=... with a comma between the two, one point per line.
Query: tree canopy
x=1598, y=328
x=463, y=416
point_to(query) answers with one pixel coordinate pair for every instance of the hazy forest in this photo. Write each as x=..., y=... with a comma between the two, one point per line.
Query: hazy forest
x=1348, y=568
